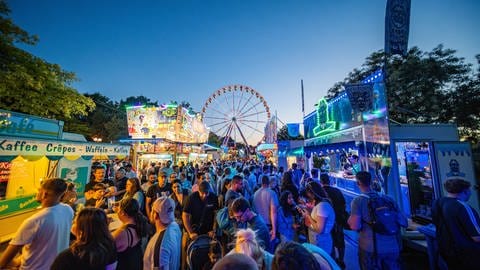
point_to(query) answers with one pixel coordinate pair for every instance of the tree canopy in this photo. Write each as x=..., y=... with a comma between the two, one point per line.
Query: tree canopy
x=31, y=85
x=426, y=87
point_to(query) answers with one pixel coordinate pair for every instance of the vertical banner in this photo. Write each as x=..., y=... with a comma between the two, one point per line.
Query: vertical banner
x=455, y=160
x=271, y=130
x=397, y=25
x=360, y=96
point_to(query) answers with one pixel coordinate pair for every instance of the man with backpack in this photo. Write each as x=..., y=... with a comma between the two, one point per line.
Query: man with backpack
x=378, y=219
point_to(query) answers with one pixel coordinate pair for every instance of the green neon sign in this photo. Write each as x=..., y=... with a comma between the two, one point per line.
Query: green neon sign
x=324, y=125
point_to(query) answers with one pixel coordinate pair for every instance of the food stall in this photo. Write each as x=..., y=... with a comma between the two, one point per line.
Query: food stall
x=168, y=132
x=43, y=150
x=426, y=156
x=351, y=132
x=267, y=152
x=290, y=152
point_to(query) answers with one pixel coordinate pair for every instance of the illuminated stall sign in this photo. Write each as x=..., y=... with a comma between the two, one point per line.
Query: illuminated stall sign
x=170, y=122
x=363, y=103
x=324, y=125
x=22, y=147
x=354, y=122
x=18, y=124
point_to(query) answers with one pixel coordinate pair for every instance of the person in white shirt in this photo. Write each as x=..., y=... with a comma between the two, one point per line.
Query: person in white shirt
x=168, y=234
x=45, y=234
x=265, y=202
x=321, y=218
x=129, y=172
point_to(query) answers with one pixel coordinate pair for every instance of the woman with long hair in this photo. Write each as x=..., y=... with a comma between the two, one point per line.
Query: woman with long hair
x=94, y=247
x=274, y=184
x=321, y=219
x=287, y=184
x=286, y=225
x=128, y=238
x=247, y=244
x=179, y=196
x=133, y=190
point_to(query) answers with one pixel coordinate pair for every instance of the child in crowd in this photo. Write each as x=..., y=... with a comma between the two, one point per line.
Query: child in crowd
x=214, y=254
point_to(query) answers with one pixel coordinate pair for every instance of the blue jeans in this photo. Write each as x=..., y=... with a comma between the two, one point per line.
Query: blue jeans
x=385, y=261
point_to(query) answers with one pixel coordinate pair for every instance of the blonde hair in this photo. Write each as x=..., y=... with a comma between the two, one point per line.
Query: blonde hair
x=247, y=244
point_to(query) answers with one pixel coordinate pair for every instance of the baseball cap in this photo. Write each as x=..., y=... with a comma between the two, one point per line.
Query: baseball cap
x=164, y=207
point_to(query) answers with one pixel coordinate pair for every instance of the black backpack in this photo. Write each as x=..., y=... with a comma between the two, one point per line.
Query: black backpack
x=384, y=215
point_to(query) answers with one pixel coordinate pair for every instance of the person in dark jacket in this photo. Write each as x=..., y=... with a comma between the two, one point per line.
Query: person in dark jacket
x=457, y=226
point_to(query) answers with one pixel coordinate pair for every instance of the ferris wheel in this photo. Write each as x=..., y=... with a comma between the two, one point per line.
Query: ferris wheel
x=236, y=112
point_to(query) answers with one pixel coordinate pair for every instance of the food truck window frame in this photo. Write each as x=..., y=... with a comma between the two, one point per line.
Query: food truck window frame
x=424, y=214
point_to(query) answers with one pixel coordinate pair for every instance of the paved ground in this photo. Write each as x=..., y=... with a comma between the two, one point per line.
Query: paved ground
x=411, y=259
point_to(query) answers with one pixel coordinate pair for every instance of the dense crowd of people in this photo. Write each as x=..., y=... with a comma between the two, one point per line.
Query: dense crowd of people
x=213, y=215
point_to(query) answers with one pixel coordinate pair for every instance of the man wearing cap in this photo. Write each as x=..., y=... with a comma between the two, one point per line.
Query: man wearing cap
x=156, y=191
x=45, y=234
x=165, y=244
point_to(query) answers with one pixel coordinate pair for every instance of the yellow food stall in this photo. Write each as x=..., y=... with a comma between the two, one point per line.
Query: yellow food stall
x=33, y=149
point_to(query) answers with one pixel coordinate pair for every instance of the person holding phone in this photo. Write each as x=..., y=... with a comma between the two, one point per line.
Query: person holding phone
x=98, y=199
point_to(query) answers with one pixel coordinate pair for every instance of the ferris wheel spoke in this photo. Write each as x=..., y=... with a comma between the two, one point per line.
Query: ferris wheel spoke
x=239, y=101
x=246, y=102
x=252, y=121
x=233, y=103
x=226, y=100
x=227, y=134
x=216, y=118
x=224, y=107
x=251, y=114
x=252, y=127
x=218, y=123
x=224, y=124
x=219, y=132
x=220, y=112
x=243, y=137
x=251, y=107
x=234, y=132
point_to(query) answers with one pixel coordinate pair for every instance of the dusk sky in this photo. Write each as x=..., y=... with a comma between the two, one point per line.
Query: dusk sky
x=185, y=50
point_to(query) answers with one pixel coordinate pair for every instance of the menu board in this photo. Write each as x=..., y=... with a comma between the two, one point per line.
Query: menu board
x=5, y=170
